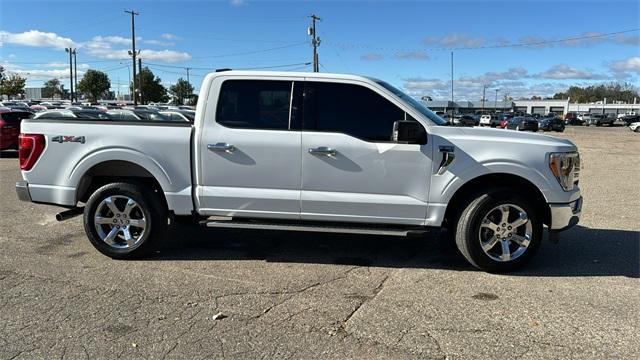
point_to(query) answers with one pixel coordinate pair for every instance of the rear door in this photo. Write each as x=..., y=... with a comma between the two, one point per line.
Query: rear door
x=351, y=170
x=250, y=162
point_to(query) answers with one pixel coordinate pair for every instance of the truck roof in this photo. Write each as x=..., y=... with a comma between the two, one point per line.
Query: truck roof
x=312, y=75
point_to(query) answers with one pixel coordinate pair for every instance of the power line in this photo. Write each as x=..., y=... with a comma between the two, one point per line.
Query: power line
x=252, y=51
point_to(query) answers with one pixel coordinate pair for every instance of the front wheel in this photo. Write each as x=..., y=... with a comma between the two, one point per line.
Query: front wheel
x=124, y=220
x=498, y=231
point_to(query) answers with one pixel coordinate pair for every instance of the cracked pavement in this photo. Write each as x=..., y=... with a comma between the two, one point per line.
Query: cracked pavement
x=311, y=295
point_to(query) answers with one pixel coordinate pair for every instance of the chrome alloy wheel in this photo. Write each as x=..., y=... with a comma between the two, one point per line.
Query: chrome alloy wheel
x=505, y=232
x=120, y=222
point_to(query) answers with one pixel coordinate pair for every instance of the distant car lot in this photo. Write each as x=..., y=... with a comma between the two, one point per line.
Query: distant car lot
x=307, y=295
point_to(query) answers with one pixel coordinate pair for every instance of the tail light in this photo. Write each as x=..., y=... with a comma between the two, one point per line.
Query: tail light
x=31, y=147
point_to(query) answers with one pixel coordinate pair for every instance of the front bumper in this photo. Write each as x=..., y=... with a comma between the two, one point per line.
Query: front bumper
x=565, y=216
x=22, y=189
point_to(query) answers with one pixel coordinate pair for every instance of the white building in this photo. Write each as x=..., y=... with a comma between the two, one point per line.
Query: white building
x=543, y=107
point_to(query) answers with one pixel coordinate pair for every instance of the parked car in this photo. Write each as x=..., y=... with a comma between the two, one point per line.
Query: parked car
x=123, y=115
x=599, y=120
x=10, y=120
x=551, y=124
x=568, y=117
x=489, y=120
x=584, y=117
x=72, y=113
x=256, y=164
x=523, y=123
x=629, y=119
x=635, y=127
x=177, y=115
x=465, y=120
x=623, y=115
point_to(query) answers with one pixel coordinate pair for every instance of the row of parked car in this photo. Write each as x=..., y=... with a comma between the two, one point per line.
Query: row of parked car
x=511, y=121
x=13, y=112
x=534, y=122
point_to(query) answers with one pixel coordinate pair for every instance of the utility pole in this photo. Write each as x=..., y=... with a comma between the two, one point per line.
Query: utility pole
x=70, y=51
x=75, y=70
x=140, y=82
x=315, y=41
x=484, y=91
x=452, y=106
x=495, y=104
x=133, y=53
x=188, y=75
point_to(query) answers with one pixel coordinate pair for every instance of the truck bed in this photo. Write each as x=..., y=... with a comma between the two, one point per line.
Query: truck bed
x=73, y=147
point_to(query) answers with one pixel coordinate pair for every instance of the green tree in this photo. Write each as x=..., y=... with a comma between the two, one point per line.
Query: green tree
x=12, y=85
x=51, y=88
x=612, y=91
x=152, y=88
x=193, y=101
x=93, y=84
x=181, y=90
x=1, y=74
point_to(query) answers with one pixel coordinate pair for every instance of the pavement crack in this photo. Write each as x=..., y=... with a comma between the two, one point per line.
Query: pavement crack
x=376, y=291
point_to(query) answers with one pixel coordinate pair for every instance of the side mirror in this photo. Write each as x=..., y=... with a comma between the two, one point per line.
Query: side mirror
x=409, y=132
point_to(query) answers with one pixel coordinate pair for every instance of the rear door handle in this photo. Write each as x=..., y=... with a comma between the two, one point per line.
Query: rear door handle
x=221, y=147
x=323, y=150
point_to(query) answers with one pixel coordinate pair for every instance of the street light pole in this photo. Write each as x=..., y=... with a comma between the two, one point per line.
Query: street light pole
x=75, y=70
x=70, y=51
x=133, y=53
x=128, y=84
x=495, y=104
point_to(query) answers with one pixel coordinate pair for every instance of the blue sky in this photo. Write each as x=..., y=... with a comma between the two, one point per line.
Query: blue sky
x=406, y=43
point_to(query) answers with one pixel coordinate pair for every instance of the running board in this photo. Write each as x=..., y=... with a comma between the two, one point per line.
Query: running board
x=314, y=228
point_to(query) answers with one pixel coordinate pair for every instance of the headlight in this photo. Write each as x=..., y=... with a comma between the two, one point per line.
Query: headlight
x=566, y=168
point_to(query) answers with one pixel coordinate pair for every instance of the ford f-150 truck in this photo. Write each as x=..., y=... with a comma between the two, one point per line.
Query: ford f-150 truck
x=304, y=152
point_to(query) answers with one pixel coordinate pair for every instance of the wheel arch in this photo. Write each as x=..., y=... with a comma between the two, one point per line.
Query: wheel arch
x=505, y=180
x=109, y=171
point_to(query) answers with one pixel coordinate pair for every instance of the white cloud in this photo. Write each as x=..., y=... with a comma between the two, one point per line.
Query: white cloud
x=168, y=36
x=36, y=38
x=454, y=40
x=165, y=55
x=114, y=39
x=630, y=64
x=37, y=74
x=371, y=57
x=411, y=55
x=237, y=2
x=159, y=42
x=628, y=40
x=563, y=72
x=623, y=69
x=102, y=47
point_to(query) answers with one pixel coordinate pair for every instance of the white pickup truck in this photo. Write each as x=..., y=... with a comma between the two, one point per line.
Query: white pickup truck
x=304, y=152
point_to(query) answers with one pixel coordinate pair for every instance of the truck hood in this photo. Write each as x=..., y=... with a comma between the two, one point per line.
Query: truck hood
x=504, y=137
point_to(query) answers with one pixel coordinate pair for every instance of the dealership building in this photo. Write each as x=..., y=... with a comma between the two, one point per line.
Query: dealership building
x=541, y=107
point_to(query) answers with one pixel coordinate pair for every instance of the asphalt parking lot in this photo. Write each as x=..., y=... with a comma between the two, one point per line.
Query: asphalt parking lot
x=304, y=295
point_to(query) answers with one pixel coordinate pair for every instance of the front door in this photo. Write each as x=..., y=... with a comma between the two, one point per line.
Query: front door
x=351, y=170
x=249, y=156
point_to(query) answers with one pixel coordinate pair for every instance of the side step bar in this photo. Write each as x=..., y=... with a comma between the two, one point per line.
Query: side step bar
x=333, y=228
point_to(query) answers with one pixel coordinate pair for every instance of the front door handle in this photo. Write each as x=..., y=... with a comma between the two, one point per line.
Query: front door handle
x=323, y=150
x=221, y=147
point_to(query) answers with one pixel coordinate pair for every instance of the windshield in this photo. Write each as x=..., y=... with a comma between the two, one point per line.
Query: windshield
x=417, y=105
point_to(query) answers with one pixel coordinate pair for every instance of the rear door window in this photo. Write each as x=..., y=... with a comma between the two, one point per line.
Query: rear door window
x=254, y=104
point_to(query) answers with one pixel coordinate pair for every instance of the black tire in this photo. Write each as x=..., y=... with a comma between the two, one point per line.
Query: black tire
x=467, y=234
x=150, y=206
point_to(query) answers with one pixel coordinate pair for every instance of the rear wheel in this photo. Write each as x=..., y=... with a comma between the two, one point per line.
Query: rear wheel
x=124, y=220
x=498, y=231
